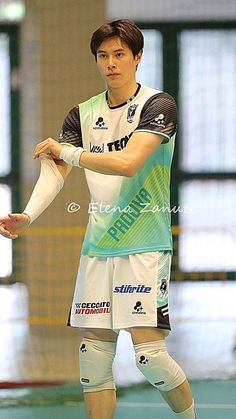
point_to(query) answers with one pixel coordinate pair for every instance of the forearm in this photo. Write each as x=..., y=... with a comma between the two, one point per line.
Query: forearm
x=112, y=163
x=47, y=187
x=124, y=163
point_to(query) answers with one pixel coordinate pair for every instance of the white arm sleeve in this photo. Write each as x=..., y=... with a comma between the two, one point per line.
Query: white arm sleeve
x=48, y=185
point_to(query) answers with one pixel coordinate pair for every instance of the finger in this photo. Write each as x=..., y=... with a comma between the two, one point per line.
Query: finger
x=16, y=216
x=37, y=150
x=4, y=219
x=40, y=146
x=41, y=150
x=42, y=143
x=5, y=233
x=12, y=236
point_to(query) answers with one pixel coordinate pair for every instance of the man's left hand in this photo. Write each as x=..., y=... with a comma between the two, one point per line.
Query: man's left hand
x=48, y=146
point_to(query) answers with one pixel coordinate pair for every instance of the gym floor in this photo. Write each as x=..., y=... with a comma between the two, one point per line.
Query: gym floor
x=202, y=341
x=214, y=400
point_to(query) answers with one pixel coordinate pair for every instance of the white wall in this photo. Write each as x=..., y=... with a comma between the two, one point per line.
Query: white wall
x=171, y=10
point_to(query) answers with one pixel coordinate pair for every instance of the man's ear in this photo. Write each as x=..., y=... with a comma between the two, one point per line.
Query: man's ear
x=138, y=57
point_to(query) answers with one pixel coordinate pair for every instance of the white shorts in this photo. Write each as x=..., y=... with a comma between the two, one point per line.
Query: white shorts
x=122, y=292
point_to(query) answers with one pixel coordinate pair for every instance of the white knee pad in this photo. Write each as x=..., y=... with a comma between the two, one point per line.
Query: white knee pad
x=96, y=359
x=153, y=360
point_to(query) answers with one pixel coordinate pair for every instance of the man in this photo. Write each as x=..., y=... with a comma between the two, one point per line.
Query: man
x=124, y=139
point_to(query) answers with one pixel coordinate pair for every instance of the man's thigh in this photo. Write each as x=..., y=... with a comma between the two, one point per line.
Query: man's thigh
x=147, y=334
x=105, y=335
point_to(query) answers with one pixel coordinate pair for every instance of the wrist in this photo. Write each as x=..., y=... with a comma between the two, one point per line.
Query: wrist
x=29, y=221
x=71, y=155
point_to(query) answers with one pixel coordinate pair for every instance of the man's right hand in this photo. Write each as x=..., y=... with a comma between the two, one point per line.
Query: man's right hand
x=13, y=224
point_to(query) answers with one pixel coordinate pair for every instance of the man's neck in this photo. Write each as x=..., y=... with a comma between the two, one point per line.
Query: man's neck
x=121, y=95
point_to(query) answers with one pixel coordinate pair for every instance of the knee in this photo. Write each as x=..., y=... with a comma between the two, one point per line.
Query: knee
x=153, y=360
x=96, y=359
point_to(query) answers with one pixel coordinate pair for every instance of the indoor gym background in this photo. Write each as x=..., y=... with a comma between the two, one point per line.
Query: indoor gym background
x=45, y=69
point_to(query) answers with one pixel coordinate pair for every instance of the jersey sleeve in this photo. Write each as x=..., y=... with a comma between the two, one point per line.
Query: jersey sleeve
x=71, y=132
x=159, y=115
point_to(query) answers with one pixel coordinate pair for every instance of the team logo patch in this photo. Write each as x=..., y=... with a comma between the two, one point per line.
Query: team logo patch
x=131, y=112
x=138, y=308
x=100, y=123
x=163, y=287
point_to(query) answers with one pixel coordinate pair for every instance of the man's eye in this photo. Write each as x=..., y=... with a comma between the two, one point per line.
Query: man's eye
x=120, y=54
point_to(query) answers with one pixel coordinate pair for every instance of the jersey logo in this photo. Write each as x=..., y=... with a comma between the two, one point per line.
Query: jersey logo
x=126, y=289
x=119, y=144
x=115, y=145
x=96, y=148
x=138, y=308
x=100, y=123
x=159, y=121
x=131, y=112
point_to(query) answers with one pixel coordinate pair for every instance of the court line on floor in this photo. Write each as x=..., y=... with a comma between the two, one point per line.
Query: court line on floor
x=198, y=405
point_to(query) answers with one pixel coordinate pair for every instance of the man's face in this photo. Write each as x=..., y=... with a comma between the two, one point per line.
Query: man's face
x=116, y=62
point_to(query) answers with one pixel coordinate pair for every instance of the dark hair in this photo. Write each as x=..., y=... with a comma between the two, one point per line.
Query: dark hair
x=125, y=29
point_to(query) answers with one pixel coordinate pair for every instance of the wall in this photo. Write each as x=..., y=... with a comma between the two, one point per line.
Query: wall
x=58, y=71
x=171, y=10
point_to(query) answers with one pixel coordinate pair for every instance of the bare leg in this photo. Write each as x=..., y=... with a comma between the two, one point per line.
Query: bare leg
x=100, y=404
x=180, y=398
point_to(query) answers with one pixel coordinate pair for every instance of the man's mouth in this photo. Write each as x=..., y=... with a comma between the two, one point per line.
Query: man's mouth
x=113, y=74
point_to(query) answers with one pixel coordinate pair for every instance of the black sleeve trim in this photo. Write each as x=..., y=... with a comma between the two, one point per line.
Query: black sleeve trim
x=71, y=129
x=159, y=114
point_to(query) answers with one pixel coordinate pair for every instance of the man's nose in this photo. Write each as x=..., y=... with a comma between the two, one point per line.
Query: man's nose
x=111, y=63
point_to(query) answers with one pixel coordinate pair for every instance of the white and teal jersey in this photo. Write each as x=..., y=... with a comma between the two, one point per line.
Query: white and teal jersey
x=127, y=215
